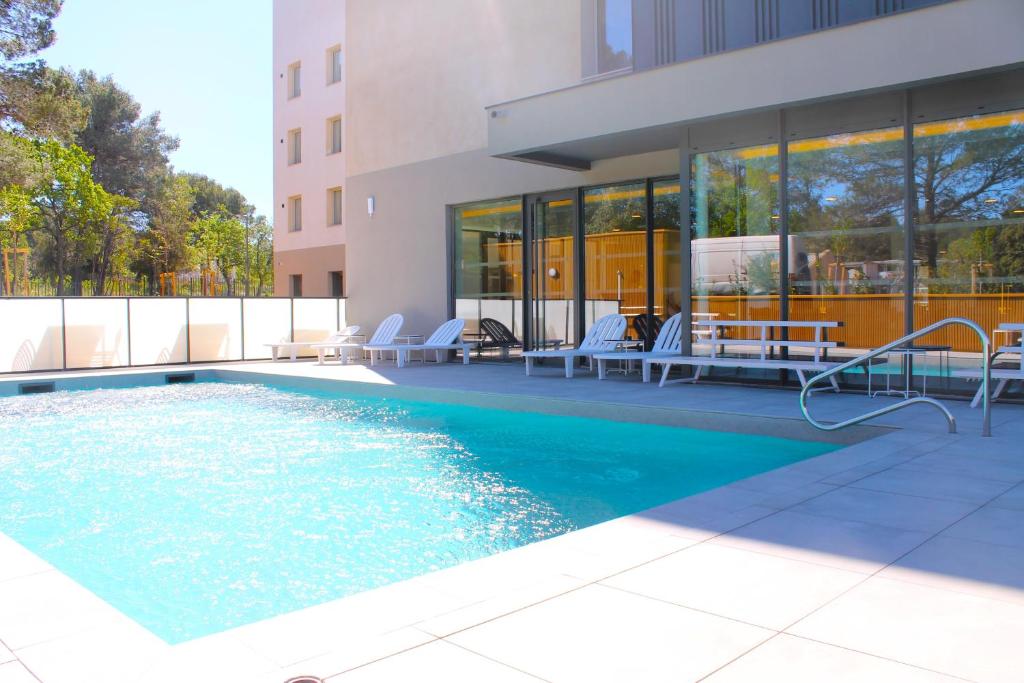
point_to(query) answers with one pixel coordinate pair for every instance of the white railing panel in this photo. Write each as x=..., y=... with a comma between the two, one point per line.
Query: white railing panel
x=267, y=321
x=30, y=335
x=215, y=329
x=342, y=314
x=159, y=329
x=314, y=320
x=96, y=332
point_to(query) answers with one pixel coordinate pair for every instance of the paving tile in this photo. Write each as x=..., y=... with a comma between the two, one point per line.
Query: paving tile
x=950, y=632
x=320, y=630
x=851, y=545
x=435, y=661
x=14, y=672
x=760, y=589
x=991, y=524
x=499, y=605
x=17, y=561
x=352, y=652
x=911, y=513
x=930, y=484
x=985, y=569
x=214, y=658
x=976, y=465
x=41, y=607
x=1011, y=500
x=114, y=654
x=602, y=634
x=797, y=660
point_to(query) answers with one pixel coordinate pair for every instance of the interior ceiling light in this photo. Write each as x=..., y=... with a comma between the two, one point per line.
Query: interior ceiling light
x=637, y=216
x=991, y=200
x=1018, y=211
x=831, y=199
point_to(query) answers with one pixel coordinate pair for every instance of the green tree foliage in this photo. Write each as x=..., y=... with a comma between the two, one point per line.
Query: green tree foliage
x=73, y=206
x=26, y=26
x=211, y=196
x=165, y=243
x=219, y=244
x=86, y=183
x=130, y=151
x=17, y=217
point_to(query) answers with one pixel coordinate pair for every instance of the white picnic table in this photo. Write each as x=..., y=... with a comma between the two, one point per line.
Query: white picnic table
x=765, y=340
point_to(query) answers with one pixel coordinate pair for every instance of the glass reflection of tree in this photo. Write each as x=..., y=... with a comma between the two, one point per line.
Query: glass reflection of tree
x=846, y=197
x=969, y=172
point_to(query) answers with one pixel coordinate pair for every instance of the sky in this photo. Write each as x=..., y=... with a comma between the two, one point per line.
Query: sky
x=205, y=65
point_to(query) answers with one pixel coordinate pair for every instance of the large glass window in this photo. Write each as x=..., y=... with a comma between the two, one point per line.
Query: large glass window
x=667, y=264
x=969, y=241
x=614, y=35
x=615, y=227
x=734, y=234
x=489, y=264
x=846, y=244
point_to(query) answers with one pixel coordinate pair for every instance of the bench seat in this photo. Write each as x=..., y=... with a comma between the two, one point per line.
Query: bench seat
x=1004, y=375
x=699, y=362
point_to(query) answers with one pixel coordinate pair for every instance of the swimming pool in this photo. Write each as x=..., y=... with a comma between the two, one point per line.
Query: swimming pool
x=194, y=508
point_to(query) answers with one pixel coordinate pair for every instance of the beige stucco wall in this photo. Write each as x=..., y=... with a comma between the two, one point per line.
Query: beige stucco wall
x=304, y=31
x=314, y=265
x=420, y=72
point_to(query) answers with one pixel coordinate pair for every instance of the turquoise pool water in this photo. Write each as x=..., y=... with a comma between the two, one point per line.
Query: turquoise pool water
x=195, y=508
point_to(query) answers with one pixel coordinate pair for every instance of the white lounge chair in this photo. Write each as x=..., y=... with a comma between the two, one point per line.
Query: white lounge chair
x=336, y=343
x=292, y=347
x=385, y=334
x=446, y=338
x=668, y=343
x=602, y=337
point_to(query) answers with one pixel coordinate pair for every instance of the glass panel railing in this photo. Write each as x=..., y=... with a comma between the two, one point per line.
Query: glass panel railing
x=314, y=320
x=96, y=332
x=159, y=331
x=215, y=329
x=31, y=337
x=266, y=321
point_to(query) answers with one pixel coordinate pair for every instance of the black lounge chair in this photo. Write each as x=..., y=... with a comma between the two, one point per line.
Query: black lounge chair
x=498, y=336
x=647, y=328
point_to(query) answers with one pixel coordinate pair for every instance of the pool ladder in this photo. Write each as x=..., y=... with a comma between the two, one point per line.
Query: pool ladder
x=986, y=378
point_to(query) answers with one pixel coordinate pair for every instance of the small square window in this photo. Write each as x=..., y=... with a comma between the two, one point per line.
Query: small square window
x=335, y=207
x=294, y=80
x=294, y=147
x=334, y=135
x=294, y=214
x=335, y=67
x=295, y=285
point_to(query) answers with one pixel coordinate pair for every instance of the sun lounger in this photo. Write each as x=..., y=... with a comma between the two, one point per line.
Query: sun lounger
x=385, y=334
x=292, y=347
x=668, y=343
x=446, y=338
x=602, y=337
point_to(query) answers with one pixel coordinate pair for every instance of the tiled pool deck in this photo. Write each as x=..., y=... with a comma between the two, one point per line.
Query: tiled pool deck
x=900, y=557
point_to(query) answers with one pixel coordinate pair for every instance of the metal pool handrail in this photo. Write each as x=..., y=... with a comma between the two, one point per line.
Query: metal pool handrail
x=986, y=377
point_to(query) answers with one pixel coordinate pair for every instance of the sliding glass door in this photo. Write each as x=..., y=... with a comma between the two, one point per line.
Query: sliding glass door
x=552, y=256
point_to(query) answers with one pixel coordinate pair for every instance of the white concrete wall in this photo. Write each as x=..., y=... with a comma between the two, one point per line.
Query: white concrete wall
x=304, y=31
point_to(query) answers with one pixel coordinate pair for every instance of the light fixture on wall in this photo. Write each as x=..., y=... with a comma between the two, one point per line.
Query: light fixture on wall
x=371, y=205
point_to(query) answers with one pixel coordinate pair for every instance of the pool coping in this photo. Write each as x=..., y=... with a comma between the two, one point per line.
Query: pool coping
x=353, y=631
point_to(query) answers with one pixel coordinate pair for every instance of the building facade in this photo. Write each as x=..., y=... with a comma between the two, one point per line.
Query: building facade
x=309, y=147
x=543, y=163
